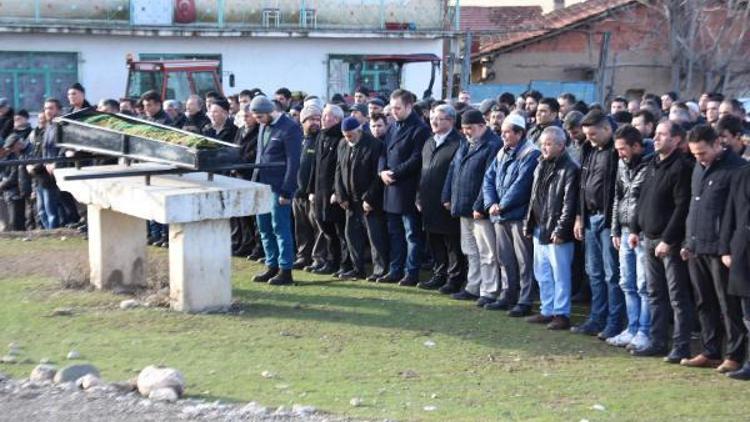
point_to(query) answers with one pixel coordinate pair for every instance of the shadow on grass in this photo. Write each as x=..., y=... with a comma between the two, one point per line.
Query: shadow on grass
x=460, y=320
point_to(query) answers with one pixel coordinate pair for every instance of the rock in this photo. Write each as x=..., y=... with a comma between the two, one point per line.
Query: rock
x=356, y=402
x=3, y=377
x=598, y=407
x=14, y=352
x=301, y=410
x=62, y=312
x=429, y=343
x=430, y=408
x=154, y=377
x=163, y=394
x=157, y=300
x=71, y=373
x=129, y=304
x=124, y=387
x=43, y=372
x=408, y=374
x=267, y=374
x=25, y=239
x=63, y=238
x=73, y=354
x=254, y=409
x=8, y=359
x=87, y=381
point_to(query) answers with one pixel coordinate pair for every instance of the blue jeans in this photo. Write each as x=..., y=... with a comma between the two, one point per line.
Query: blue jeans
x=602, y=267
x=48, y=206
x=406, y=243
x=276, y=235
x=553, y=266
x=633, y=285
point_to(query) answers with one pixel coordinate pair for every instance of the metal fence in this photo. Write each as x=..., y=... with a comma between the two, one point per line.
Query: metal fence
x=362, y=15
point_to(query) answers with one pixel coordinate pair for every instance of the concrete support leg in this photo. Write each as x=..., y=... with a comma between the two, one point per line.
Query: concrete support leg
x=200, y=266
x=117, y=248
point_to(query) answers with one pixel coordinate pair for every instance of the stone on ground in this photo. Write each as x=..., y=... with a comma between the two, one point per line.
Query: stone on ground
x=71, y=373
x=87, y=381
x=43, y=373
x=154, y=377
x=163, y=394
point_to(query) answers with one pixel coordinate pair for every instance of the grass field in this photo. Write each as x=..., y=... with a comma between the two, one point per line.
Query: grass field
x=407, y=354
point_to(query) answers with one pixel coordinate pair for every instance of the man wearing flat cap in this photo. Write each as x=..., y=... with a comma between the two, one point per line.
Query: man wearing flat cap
x=359, y=192
x=279, y=141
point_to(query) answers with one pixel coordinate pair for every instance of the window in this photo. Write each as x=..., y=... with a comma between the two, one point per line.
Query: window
x=140, y=81
x=178, y=86
x=27, y=78
x=346, y=73
x=204, y=82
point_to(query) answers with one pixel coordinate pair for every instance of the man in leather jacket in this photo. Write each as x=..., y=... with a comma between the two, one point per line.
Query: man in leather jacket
x=550, y=219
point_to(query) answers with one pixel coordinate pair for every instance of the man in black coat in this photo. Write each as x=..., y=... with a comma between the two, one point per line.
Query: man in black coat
x=15, y=183
x=357, y=184
x=442, y=231
x=245, y=236
x=6, y=118
x=329, y=214
x=734, y=248
x=661, y=215
x=221, y=126
x=195, y=119
x=719, y=313
x=310, y=242
x=399, y=170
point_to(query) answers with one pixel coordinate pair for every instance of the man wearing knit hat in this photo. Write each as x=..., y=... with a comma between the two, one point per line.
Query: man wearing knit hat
x=359, y=192
x=462, y=195
x=310, y=241
x=279, y=140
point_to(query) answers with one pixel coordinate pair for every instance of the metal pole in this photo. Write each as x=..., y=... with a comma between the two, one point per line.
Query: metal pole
x=603, y=53
x=466, y=68
x=37, y=10
x=220, y=13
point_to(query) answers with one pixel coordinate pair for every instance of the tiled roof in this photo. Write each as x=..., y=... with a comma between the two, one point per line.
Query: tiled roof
x=552, y=22
x=476, y=18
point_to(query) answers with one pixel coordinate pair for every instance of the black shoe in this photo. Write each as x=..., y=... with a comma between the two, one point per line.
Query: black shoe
x=432, y=284
x=464, y=295
x=326, y=269
x=587, y=329
x=389, y=279
x=519, y=311
x=484, y=300
x=449, y=288
x=314, y=266
x=498, y=305
x=650, y=351
x=352, y=275
x=300, y=264
x=409, y=281
x=677, y=355
x=266, y=275
x=742, y=374
x=283, y=278
x=607, y=333
x=373, y=277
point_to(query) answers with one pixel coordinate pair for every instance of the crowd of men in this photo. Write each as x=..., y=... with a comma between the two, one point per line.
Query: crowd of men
x=515, y=200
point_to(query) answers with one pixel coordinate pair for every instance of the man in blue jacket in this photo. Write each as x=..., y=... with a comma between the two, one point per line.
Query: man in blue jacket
x=462, y=195
x=507, y=189
x=399, y=168
x=279, y=140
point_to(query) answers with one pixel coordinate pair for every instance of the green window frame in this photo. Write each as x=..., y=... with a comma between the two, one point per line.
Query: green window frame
x=28, y=77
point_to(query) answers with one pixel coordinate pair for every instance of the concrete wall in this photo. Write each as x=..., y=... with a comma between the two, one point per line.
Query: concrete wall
x=268, y=63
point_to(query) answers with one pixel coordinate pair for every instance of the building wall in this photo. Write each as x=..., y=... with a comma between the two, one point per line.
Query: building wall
x=638, y=56
x=267, y=63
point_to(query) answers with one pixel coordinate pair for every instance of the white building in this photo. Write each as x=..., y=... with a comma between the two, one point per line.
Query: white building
x=308, y=45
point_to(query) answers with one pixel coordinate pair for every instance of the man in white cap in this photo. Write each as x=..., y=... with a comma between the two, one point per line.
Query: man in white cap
x=507, y=190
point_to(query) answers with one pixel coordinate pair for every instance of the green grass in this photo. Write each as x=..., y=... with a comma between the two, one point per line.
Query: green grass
x=329, y=341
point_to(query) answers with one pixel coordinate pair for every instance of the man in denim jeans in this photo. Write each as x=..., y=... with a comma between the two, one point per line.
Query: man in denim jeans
x=630, y=173
x=593, y=225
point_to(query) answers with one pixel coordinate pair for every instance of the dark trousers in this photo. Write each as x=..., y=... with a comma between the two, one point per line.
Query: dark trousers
x=310, y=247
x=335, y=235
x=377, y=232
x=668, y=282
x=720, y=314
x=69, y=208
x=356, y=235
x=16, y=214
x=243, y=235
x=745, y=305
x=448, y=263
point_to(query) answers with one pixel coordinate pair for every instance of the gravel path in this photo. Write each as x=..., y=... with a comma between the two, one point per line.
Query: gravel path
x=23, y=400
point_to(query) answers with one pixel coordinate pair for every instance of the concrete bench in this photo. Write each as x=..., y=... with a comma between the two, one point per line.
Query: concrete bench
x=197, y=211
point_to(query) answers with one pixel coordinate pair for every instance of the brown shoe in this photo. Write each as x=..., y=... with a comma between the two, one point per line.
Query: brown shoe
x=539, y=319
x=728, y=365
x=700, y=361
x=559, y=322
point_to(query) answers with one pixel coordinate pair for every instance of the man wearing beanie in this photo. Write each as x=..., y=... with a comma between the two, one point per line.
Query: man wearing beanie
x=462, y=195
x=310, y=241
x=359, y=192
x=77, y=98
x=279, y=140
x=399, y=170
x=222, y=127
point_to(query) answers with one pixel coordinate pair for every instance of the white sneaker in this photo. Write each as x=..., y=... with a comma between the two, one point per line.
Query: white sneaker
x=621, y=340
x=640, y=341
